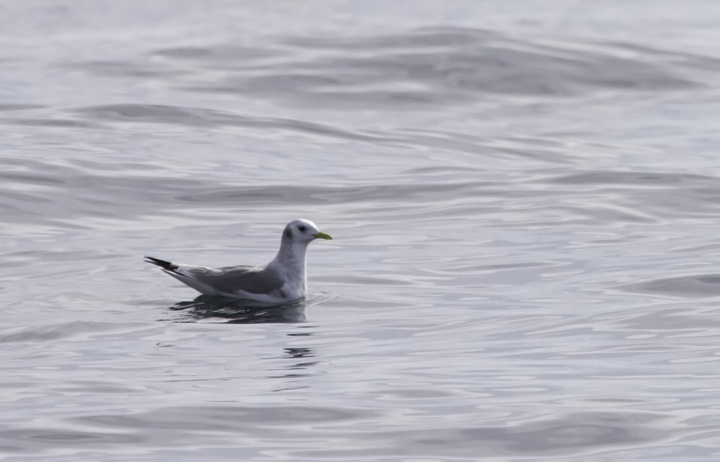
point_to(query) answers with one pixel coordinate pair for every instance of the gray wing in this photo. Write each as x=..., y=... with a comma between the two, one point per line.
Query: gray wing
x=230, y=279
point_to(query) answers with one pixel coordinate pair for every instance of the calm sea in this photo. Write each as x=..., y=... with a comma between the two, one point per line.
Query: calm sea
x=524, y=196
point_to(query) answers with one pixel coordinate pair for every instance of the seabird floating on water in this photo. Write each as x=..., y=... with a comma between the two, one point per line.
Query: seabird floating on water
x=282, y=280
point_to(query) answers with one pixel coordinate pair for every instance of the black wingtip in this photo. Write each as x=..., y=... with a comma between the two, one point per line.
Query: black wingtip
x=166, y=265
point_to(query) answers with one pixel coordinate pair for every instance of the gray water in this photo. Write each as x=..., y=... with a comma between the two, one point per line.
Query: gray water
x=524, y=198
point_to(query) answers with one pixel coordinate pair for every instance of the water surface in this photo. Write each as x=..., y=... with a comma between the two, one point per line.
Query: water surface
x=524, y=202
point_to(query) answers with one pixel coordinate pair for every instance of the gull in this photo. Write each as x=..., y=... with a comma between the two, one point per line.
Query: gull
x=281, y=280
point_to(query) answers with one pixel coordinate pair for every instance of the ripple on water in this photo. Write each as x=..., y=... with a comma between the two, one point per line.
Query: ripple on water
x=700, y=285
x=437, y=66
x=293, y=431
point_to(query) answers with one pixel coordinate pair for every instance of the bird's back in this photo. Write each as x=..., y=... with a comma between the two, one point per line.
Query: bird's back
x=231, y=279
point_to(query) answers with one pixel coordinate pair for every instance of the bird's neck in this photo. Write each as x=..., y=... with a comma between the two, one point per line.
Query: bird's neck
x=292, y=257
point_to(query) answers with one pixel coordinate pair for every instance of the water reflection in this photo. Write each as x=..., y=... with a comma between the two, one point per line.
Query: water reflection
x=239, y=311
x=300, y=353
x=295, y=369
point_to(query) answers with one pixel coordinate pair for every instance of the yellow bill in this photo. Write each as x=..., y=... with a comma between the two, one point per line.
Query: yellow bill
x=322, y=236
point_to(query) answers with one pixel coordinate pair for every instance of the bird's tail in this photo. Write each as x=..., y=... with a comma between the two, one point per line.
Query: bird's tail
x=166, y=265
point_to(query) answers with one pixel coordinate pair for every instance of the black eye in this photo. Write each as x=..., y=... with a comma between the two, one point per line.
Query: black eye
x=301, y=228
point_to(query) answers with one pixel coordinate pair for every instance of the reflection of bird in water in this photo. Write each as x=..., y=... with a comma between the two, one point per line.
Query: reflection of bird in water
x=300, y=353
x=240, y=311
x=297, y=353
